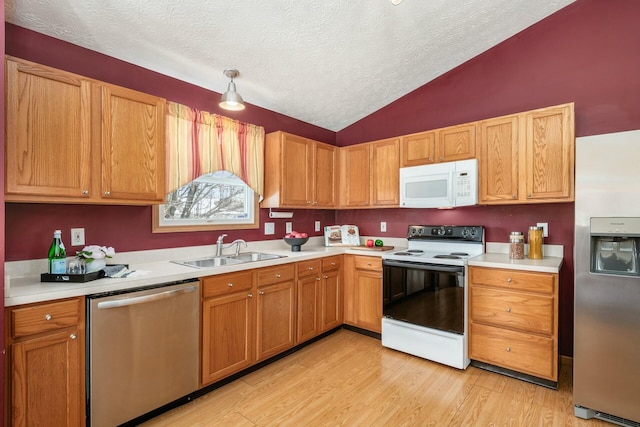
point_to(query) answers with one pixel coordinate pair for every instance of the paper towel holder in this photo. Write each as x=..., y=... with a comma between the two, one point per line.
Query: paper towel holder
x=280, y=214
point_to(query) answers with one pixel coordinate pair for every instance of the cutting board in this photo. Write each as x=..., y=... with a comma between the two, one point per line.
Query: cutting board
x=374, y=248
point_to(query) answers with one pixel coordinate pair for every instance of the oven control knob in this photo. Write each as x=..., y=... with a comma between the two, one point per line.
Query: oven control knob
x=441, y=231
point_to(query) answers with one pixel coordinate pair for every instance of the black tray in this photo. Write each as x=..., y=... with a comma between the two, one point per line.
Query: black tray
x=78, y=278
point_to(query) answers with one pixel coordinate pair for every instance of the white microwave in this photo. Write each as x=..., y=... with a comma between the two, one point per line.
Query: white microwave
x=439, y=185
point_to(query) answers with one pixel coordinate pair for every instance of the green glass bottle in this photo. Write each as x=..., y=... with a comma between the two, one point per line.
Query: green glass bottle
x=57, y=255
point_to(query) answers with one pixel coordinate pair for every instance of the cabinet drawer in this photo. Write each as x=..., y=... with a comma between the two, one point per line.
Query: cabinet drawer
x=226, y=283
x=276, y=274
x=516, y=310
x=368, y=263
x=513, y=279
x=44, y=317
x=309, y=268
x=331, y=263
x=519, y=351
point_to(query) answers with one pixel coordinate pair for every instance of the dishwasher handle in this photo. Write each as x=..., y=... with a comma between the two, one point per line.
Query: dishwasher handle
x=144, y=298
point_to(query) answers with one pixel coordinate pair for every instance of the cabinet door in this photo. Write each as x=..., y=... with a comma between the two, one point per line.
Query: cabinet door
x=418, y=149
x=331, y=302
x=275, y=325
x=385, y=173
x=46, y=380
x=326, y=176
x=550, y=154
x=227, y=335
x=457, y=143
x=354, y=176
x=308, y=307
x=133, y=145
x=368, y=300
x=297, y=171
x=498, y=163
x=48, y=146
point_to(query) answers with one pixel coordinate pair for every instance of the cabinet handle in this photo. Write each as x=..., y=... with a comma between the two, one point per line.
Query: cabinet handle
x=230, y=285
x=508, y=309
x=277, y=275
x=261, y=292
x=508, y=349
x=48, y=317
x=85, y=192
x=107, y=193
x=73, y=336
x=509, y=280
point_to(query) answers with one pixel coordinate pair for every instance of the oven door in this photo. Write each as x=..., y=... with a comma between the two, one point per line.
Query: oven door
x=428, y=295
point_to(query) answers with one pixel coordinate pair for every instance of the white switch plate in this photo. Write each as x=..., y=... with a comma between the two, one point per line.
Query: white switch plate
x=77, y=237
x=317, y=225
x=383, y=226
x=269, y=228
x=545, y=228
x=288, y=227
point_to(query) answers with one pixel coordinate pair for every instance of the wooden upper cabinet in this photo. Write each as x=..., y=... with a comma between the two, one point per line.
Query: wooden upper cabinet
x=385, y=172
x=498, y=164
x=71, y=139
x=550, y=154
x=48, y=146
x=456, y=143
x=133, y=145
x=299, y=172
x=528, y=157
x=354, y=176
x=418, y=149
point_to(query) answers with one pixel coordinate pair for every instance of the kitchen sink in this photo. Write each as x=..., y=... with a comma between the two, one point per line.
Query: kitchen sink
x=217, y=261
x=255, y=256
x=220, y=261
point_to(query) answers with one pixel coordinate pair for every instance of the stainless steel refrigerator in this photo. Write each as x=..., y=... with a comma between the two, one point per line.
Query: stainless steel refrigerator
x=606, y=362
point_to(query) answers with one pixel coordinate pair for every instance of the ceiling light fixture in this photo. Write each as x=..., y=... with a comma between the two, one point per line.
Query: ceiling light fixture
x=231, y=100
x=395, y=2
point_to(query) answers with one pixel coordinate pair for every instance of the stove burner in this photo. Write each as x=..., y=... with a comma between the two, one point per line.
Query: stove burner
x=447, y=256
x=416, y=251
x=460, y=253
x=403, y=253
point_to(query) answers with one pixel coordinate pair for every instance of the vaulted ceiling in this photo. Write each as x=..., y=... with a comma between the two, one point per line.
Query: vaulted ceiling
x=328, y=63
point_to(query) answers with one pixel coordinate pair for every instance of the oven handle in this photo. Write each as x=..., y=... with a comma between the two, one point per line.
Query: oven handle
x=424, y=266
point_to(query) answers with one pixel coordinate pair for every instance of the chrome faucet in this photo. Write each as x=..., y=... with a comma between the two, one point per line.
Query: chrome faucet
x=219, y=244
x=237, y=242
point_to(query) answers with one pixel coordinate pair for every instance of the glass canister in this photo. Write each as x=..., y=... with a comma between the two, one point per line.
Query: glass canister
x=535, y=242
x=516, y=245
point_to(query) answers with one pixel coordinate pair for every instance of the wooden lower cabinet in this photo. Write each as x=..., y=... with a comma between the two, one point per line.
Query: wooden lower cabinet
x=227, y=325
x=513, y=320
x=47, y=363
x=331, y=293
x=363, y=292
x=275, y=324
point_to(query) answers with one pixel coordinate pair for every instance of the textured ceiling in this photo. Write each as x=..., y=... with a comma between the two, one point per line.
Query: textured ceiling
x=325, y=62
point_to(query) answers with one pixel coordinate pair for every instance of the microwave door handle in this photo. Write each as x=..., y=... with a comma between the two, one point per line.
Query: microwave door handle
x=452, y=188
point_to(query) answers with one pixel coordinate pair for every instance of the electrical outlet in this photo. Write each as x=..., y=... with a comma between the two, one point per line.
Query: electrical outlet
x=288, y=227
x=77, y=237
x=317, y=225
x=545, y=228
x=383, y=226
x=269, y=228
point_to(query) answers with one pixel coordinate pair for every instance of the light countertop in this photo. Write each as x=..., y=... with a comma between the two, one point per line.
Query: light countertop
x=497, y=256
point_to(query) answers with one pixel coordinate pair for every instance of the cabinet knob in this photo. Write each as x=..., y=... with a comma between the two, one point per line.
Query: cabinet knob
x=308, y=202
x=310, y=268
x=278, y=275
x=513, y=196
x=315, y=203
x=85, y=192
x=107, y=193
x=508, y=349
x=509, y=280
x=230, y=285
x=369, y=264
x=441, y=158
x=326, y=277
x=261, y=292
x=431, y=159
x=379, y=277
x=48, y=317
x=318, y=279
x=250, y=295
x=529, y=195
x=508, y=309
x=73, y=336
x=333, y=264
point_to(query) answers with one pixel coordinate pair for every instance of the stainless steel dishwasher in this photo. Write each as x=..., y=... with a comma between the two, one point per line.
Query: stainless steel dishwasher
x=143, y=350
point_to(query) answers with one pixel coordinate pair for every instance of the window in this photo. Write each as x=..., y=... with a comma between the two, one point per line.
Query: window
x=218, y=200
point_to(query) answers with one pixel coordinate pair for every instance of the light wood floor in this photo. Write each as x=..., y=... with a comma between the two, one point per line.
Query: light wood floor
x=348, y=379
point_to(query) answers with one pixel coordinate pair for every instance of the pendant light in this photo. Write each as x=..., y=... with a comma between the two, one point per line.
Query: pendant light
x=231, y=100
